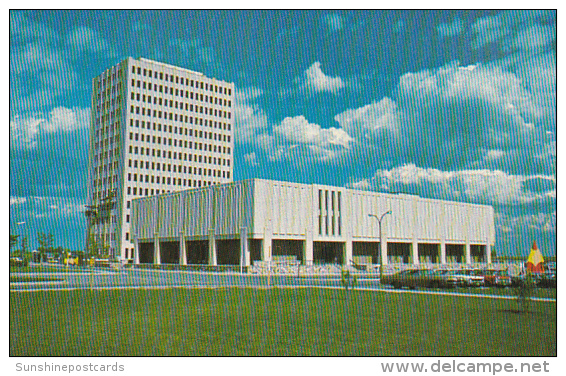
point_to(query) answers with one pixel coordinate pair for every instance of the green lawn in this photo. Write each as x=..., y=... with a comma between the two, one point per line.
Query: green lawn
x=274, y=322
x=34, y=278
x=538, y=292
x=44, y=268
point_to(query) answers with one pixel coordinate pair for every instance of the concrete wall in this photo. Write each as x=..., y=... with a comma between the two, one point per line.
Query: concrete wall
x=270, y=210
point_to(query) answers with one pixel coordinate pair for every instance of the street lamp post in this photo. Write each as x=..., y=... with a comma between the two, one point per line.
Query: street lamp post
x=379, y=219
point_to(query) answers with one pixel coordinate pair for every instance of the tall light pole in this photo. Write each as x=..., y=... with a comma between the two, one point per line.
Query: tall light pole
x=379, y=219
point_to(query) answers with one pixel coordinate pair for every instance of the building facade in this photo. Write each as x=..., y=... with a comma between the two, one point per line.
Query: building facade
x=240, y=222
x=155, y=128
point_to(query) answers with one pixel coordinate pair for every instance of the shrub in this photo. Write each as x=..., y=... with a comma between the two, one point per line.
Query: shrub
x=348, y=280
x=524, y=291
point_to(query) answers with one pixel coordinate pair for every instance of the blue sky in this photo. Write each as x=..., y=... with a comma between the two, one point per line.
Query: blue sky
x=457, y=105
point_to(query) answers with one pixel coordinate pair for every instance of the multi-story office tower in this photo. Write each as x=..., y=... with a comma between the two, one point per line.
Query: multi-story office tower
x=155, y=128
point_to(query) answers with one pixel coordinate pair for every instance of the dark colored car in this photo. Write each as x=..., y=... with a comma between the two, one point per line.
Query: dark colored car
x=413, y=278
x=547, y=280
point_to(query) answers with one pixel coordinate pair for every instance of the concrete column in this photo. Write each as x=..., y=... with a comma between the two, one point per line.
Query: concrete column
x=487, y=256
x=443, y=234
x=383, y=248
x=348, y=252
x=156, y=250
x=415, y=252
x=468, y=252
x=442, y=251
x=266, y=249
x=416, y=235
x=136, y=250
x=308, y=254
x=244, y=249
x=211, y=248
x=182, y=250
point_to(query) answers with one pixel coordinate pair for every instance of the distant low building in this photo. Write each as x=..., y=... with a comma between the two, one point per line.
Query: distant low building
x=241, y=222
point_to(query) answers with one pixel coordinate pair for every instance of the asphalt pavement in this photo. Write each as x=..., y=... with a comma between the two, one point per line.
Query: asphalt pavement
x=86, y=278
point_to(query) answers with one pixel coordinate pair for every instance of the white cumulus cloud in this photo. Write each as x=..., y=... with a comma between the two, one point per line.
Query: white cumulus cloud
x=251, y=158
x=483, y=186
x=297, y=130
x=369, y=120
x=15, y=200
x=85, y=39
x=314, y=79
x=67, y=119
x=26, y=130
x=295, y=135
x=250, y=119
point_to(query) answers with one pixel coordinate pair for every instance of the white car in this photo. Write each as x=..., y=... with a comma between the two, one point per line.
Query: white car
x=467, y=278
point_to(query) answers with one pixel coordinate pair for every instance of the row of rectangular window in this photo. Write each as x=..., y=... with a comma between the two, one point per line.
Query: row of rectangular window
x=109, y=131
x=211, y=160
x=169, y=102
x=99, y=182
x=175, y=180
x=178, y=117
x=173, y=141
x=157, y=152
x=197, y=121
x=110, y=92
x=109, y=75
x=176, y=79
x=102, y=155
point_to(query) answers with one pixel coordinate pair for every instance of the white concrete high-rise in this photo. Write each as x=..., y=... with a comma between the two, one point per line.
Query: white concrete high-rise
x=155, y=128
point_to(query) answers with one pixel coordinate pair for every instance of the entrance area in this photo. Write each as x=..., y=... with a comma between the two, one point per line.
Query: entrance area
x=398, y=253
x=228, y=252
x=455, y=253
x=288, y=249
x=477, y=252
x=146, y=253
x=169, y=252
x=328, y=252
x=255, y=249
x=197, y=251
x=429, y=253
x=365, y=253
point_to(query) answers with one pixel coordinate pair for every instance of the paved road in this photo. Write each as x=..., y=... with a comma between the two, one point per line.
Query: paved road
x=78, y=278
x=108, y=278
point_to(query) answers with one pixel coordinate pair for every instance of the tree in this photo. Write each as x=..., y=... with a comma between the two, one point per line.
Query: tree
x=50, y=242
x=45, y=243
x=93, y=246
x=99, y=213
x=348, y=280
x=524, y=291
x=24, y=247
x=13, y=240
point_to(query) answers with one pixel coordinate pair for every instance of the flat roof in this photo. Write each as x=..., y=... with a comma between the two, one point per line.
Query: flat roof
x=169, y=66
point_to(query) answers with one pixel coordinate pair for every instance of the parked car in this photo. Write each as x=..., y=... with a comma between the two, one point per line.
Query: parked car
x=472, y=277
x=460, y=278
x=497, y=278
x=413, y=278
x=17, y=261
x=547, y=280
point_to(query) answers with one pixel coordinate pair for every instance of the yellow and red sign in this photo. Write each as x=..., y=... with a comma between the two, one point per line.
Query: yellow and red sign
x=535, y=260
